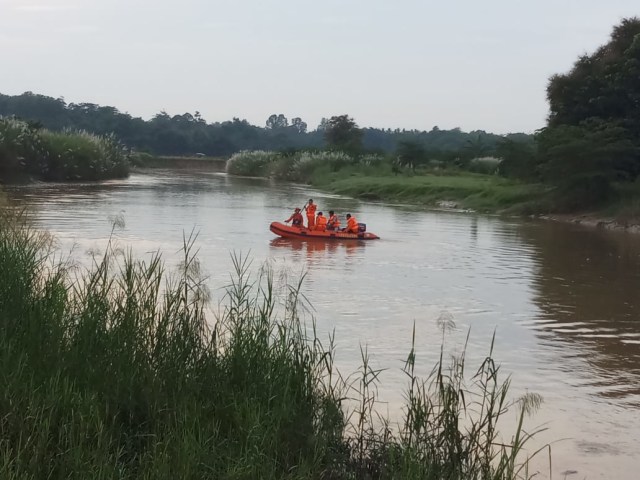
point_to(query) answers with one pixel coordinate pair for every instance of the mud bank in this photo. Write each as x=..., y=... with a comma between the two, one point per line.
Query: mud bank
x=596, y=221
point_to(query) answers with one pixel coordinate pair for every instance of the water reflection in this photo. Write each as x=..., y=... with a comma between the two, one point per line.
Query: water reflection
x=587, y=287
x=317, y=252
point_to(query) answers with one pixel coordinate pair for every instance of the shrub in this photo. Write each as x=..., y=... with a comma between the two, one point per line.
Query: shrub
x=307, y=163
x=83, y=156
x=21, y=149
x=60, y=155
x=255, y=163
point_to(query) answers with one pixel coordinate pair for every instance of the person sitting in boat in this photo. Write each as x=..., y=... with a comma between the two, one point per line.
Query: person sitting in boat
x=311, y=213
x=352, y=224
x=321, y=222
x=334, y=222
x=295, y=218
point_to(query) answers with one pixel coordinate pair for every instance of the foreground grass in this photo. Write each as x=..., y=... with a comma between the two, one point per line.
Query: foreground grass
x=116, y=373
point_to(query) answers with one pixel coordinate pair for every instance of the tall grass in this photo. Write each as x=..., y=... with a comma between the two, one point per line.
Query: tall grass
x=255, y=163
x=84, y=156
x=302, y=166
x=116, y=373
x=21, y=148
x=63, y=155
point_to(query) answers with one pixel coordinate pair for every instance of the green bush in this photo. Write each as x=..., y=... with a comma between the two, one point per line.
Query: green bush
x=59, y=155
x=256, y=163
x=83, y=156
x=21, y=149
x=299, y=166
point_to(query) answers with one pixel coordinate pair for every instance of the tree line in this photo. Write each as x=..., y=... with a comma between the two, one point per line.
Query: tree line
x=188, y=134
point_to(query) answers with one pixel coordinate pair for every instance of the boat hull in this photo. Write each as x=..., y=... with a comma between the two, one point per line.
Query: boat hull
x=286, y=231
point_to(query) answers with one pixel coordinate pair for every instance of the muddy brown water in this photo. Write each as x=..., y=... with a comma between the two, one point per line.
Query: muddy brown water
x=563, y=300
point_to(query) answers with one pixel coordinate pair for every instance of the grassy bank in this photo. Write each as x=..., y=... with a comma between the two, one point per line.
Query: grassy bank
x=486, y=193
x=116, y=373
x=375, y=177
x=27, y=151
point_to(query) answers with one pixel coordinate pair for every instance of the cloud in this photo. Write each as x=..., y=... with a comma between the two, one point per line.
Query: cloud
x=21, y=42
x=79, y=29
x=44, y=8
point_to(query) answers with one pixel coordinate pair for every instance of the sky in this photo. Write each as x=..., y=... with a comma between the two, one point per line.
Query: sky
x=413, y=64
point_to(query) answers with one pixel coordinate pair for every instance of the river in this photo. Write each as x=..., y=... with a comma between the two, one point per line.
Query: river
x=563, y=300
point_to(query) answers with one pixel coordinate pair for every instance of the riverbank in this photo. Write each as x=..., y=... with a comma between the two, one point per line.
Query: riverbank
x=375, y=177
x=379, y=178
x=466, y=191
x=595, y=220
x=144, y=160
x=485, y=194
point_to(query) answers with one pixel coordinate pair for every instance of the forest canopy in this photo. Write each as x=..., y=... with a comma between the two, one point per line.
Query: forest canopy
x=189, y=133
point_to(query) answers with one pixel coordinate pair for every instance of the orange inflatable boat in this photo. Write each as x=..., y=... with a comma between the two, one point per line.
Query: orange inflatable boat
x=287, y=231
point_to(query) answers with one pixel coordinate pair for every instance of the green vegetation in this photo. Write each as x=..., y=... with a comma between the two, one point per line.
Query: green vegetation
x=590, y=149
x=302, y=166
x=118, y=374
x=28, y=151
x=376, y=177
x=188, y=134
x=342, y=133
x=253, y=164
x=472, y=191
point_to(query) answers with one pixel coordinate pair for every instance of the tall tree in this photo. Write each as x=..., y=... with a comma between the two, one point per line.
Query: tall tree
x=299, y=125
x=604, y=85
x=277, y=121
x=342, y=133
x=593, y=133
x=410, y=154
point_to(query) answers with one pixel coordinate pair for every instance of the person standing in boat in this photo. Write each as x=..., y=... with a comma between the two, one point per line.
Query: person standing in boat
x=295, y=219
x=311, y=214
x=334, y=222
x=352, y=224
x=321, y=222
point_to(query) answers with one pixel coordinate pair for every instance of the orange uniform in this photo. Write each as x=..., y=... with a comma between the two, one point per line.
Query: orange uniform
x=334, y=222
x=352, y=225
x=321, y=223
x=311, y=215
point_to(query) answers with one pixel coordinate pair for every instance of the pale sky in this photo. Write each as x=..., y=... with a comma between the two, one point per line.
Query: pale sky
x=477, y=65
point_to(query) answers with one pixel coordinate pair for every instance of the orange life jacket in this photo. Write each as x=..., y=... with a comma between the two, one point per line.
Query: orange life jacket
x=352, y=225
x=321, y=223
x=311, y=210
x=334, y=222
